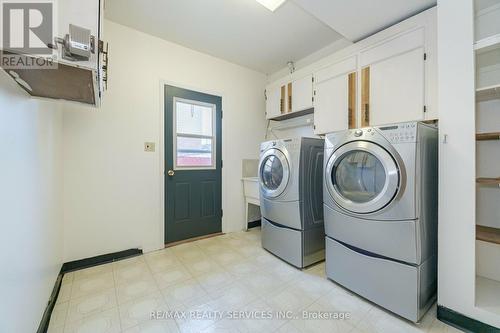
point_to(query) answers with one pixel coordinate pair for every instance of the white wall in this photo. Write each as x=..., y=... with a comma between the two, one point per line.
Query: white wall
x=30, y=205
x=112, y=188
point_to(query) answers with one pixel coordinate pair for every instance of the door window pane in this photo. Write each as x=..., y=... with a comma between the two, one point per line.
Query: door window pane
x=272, y=172
x=194, y=119
x=359, y=176
x=194, y=152
x=195, y=134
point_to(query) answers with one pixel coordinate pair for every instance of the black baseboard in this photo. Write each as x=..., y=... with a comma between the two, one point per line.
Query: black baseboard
x=44, y=323
x=74, y=266
x=254, y=224
x=462, y=322
x=99, y=260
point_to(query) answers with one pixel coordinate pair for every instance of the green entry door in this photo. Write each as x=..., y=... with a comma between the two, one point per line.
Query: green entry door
x=193, y=175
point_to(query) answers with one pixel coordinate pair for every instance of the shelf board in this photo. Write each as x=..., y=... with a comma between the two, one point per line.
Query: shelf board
x=488, y=181
x=488, y=93
x=488, y=136
x=488, y=294
x=488, y=234
x=295, y=114
x=487, y=44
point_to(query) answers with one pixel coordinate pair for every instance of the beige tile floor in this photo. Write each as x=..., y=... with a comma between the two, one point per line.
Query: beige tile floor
x=229, y=273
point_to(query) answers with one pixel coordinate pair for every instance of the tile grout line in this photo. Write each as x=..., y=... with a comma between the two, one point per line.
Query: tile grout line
x=159, y=289
x=69, y=299
x=116, y=296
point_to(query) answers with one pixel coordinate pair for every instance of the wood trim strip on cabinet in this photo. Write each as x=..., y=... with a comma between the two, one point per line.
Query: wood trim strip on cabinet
x=365, y=97
x=289, y=97
x=352, y=100
x=282, y=100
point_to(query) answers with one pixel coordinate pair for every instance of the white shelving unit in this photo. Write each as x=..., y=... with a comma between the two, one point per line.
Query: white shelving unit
x=487, y=51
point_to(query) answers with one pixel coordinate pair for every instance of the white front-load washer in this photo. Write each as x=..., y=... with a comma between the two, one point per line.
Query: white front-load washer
x=380, y=208
x=291, y=196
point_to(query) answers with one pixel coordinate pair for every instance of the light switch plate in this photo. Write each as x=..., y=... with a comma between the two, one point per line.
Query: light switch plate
x=149, y=147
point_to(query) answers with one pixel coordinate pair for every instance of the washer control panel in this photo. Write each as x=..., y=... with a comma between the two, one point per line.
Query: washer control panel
x=288, y=144
x=292, y=144
x=400, y=133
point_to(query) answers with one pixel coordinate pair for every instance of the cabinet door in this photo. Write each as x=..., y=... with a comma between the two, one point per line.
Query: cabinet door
x=335, y=97
x=273, y=102
x=397, y=89
x=300, y=94
x=331, y=104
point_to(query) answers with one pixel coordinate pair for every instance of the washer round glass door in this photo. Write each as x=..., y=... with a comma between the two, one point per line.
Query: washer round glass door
x=362, y=177
x=273, y=172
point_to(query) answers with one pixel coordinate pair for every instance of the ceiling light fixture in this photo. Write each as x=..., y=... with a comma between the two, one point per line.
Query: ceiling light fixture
x=272, y=5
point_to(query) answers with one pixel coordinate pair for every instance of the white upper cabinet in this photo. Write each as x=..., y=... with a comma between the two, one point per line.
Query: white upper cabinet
x=273, y=102
x=301, y=94
x=393, y=81
x=386, y=78
x=288, y=98
x=335, y=97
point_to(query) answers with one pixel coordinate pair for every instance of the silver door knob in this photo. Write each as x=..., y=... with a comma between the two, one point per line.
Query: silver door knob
x=171, y=173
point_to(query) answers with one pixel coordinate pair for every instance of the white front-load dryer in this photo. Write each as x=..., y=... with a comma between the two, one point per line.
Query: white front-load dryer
x=291, y=195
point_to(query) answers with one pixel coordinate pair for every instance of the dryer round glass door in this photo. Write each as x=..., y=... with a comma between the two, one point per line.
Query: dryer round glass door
x=273, y=173
x=362, y=177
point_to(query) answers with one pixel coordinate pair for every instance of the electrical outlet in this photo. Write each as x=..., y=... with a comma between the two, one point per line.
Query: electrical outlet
x=149, y=147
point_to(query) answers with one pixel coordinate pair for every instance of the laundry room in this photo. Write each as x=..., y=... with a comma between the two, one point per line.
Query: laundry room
x=250, y=166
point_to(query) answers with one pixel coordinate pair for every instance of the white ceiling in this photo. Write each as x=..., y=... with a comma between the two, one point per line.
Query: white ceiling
x=241, y=31
x=246, y=33
x=357, y=19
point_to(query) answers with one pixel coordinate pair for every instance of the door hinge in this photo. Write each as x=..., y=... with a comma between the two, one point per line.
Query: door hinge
x=425, y=108
x=312, y=79
x=221, y=114
x=313, y=99
x=222, y=213
x=265, y=94
x=425, y=56
x=314, y=126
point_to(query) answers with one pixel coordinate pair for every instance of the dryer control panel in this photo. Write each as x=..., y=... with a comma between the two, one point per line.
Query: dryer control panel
x=400, y=133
